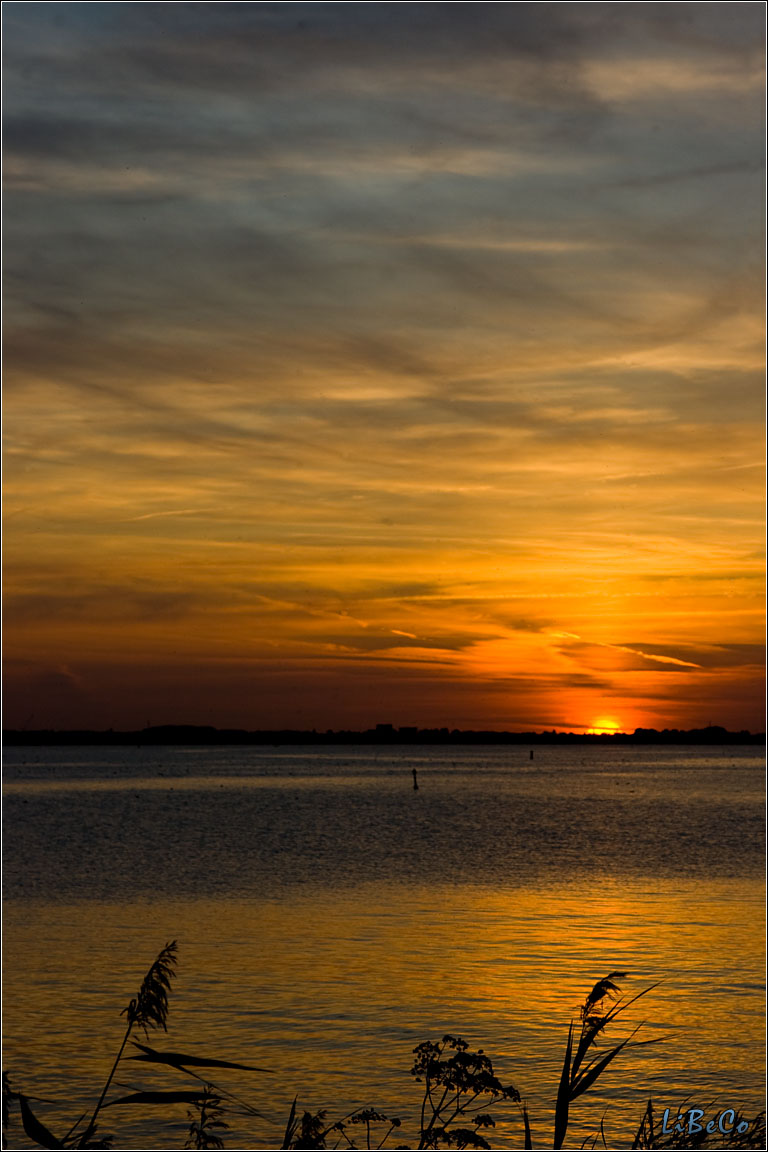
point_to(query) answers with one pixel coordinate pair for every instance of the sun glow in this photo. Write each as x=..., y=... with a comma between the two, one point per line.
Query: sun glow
x=605, y=725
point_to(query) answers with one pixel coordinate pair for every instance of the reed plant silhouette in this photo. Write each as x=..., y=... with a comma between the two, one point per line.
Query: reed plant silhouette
x=460, y=1088
x=601, y=1007
x=148, y=1009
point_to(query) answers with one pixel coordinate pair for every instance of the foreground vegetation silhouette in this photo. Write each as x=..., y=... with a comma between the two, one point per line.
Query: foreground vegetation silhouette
x=459, y=1090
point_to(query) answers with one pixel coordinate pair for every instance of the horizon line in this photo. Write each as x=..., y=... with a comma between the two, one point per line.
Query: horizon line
x=383, y=731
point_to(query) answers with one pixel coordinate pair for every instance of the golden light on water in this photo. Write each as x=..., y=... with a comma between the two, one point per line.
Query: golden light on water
x=332, y=917
x=249, y=995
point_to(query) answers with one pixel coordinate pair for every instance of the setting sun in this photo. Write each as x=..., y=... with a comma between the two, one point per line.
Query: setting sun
x=605, y=724
x=434, y=439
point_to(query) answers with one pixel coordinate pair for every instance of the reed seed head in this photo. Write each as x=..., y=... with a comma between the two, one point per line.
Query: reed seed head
x=602, y=989
x=150, y=1008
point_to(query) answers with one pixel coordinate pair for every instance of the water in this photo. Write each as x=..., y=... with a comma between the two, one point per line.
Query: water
x=330, y=919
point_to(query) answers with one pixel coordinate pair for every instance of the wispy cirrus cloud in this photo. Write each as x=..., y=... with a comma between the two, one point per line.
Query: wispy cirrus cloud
x=661, y=659
x=337, y=327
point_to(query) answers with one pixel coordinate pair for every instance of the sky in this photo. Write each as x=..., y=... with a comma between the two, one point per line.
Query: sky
x=384, y=363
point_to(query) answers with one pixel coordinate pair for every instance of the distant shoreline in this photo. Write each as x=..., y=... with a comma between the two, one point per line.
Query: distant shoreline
x=382, y=734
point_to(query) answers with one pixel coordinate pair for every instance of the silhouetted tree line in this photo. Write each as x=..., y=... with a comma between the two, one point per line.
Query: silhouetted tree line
x=166, y=734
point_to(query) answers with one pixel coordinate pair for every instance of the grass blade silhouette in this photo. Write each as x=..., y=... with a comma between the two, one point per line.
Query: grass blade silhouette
x=563, y=1094
x=171, y=1096
x=587, y=1078
x=182, y=1059
x=290, y=1127
x=35, y=1128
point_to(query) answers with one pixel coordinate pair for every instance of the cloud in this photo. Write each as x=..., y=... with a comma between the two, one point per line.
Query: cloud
x=655, y=656
x=585, y=645
x=654, y=79
x=359, y=326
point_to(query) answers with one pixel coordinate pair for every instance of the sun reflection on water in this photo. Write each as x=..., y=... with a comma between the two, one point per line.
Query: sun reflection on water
x=330, y=919
x=334, y=993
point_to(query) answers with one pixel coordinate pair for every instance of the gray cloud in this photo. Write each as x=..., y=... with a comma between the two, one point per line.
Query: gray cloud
x=473, y=283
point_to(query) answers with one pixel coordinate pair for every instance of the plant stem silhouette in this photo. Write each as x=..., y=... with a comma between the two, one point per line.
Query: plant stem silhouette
x=148, y=1010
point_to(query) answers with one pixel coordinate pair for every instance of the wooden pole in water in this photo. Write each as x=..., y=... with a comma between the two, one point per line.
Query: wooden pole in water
x=531, y=755
x=415, y=781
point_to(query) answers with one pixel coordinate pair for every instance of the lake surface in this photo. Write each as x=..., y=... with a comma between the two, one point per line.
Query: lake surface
x=330, y=918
